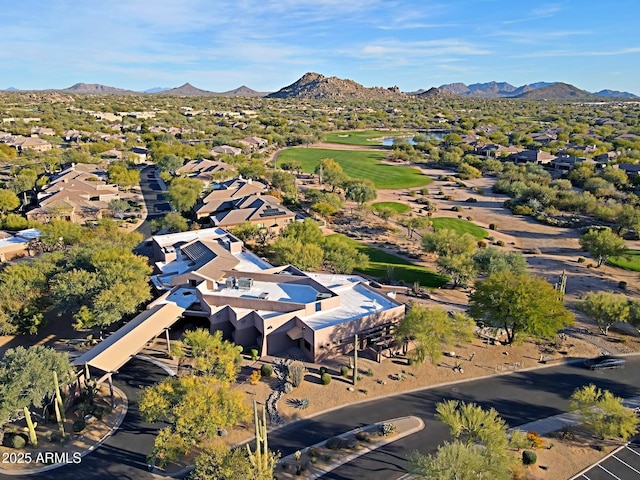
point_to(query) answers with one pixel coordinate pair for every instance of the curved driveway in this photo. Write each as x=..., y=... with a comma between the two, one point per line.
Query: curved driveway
x=123, y=455
x=519, y=398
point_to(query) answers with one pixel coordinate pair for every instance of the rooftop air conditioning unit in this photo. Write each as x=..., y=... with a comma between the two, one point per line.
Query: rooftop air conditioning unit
x=323, y=296
x=245, y=283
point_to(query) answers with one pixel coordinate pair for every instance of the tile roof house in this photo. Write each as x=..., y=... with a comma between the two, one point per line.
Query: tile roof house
x=228, y=190
x=77, y=194
x=21, y=143
x=533, y=156
x=253, y=144
x=202, y=169
x=263, y=211
x=225, y=149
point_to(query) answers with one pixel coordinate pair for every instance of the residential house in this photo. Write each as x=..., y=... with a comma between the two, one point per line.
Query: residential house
x=77, y=194
x=567, y=162
x=42, y=131
x=253, y=144
x=264, y=211
x=16, y=244
x=631, y=169
x=140, y=154
x=533, y=156
x=203, y=169
x=21, y=143
x=225, y=149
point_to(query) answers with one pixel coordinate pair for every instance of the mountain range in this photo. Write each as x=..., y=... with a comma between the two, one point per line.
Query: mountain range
x=317, y=86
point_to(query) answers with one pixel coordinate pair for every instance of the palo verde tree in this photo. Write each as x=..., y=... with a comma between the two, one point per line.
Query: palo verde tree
x=604, y=413
x=602, y=244
x=521, y=304
x=480, y=448
x=454, y=254
x=605, y=308
x=210, y=354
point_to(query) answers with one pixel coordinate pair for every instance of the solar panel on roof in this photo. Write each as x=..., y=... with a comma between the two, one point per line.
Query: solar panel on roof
x=197, y=252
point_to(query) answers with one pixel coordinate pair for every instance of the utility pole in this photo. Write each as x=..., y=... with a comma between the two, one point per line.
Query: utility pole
x=355, y=359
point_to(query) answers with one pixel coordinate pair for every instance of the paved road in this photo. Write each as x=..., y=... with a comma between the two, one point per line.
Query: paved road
x=519, y=398
x=624, y=464
x=123, y=455
x=154, y=199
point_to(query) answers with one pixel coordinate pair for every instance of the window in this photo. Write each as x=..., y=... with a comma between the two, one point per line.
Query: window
x=307, y=345
x=318, y=307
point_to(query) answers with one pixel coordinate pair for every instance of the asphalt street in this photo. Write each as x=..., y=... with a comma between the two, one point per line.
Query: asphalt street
x=519, y=397
x=154, y=199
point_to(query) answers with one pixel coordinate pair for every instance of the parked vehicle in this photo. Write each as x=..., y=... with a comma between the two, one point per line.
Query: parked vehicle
x=605, y=362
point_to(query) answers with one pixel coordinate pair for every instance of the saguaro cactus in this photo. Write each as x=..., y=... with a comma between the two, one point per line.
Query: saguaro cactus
x=33, y=439
x=262, y=460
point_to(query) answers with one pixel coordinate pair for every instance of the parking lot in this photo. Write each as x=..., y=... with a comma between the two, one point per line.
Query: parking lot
x=623, y=464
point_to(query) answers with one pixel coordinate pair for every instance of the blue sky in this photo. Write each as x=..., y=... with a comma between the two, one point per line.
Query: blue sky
x=267, y=44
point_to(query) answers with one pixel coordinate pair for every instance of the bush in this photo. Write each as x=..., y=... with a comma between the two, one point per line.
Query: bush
x=78, y=426
x=326, y=378
x=522, y=210
x=98, y=412
x=266, y=370
x=363, y=436
x=493, y=226
x=287, y=388
x=387, y=429
x=254, y=378
x=370, y=373
x=482, y=244
x=529, y=457
x=18, y=441
x=500, y=243
x=456, y=208
x=254, y=354
x=333, y=443
x=622, y=285
x=344, y=371
x=296, y=373
x=471, y=200
x=323, y=370
x=581, y=260
x=534, y=440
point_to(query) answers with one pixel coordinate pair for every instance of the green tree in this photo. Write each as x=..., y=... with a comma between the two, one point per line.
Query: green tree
x=324, y=209
x=459, y=267
x=183, y=193
x=8, y=201
x=360, y=191
x=173, y=222
x=25, y=378
x=119, y=207
x=245, y=231
x=343, y=257
x=413, y=224
x=448, y=242
x=330, y=173
x=492, y=260
x=123, y=176
x=602, y=244
x=480, y=449
x=431, y=331
x=254, y=169
x=605, y=308
x=210, y=354
x=634, y=314
x=170, y=163
x=385, y=212
x=628, y=219
x=604, y=413
x=306, y=232
x=196, y=407
x=305, y=256
x=285, y=182
x=222, y=463
x=519, y=304
x=292, y=165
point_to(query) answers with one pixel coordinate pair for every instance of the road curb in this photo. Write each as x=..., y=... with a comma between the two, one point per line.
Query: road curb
x=84, y=453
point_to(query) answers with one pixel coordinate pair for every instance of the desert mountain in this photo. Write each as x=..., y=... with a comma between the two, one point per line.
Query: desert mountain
x=318, y=87
x=242, y=91
x=186, y=90
x=615, y=94
x=435, y=92
x=491, y=89
x=557, y=91
x=95, y=88
x=156, y=90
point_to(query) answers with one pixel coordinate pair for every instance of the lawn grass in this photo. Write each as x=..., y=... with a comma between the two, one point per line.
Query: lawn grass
x=459, y=226
x=395, y=206
x=359, y=164
x=633, y=263
x=403, y=270
x=371, y=138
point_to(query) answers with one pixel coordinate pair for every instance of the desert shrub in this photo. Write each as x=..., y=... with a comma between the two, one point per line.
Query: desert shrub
x=296, y=373
x=622, y=285
x=424, y=191
x=535, y=440
x=529, y=457
x=493, y=226
x=266, y=370
x=323, y=370
x=522, y=210
x=482, y=244
x=500, y=243
x=18, y=441
x=78, y=426
x=471, y=200
x=477, y=190
x=254, y=378
x=254, y=354
x=470, y=218
x=326, y=378
x=287, y=388
x=314, y=452
x=98, y=412
x=456, y=208
x=412, y=193
x=334, y=443
x=387, y=429
x=370, y=373
x=363, y=436
x=344, y=371
x=448, y=198
x=349, y=443
x=581, y=260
